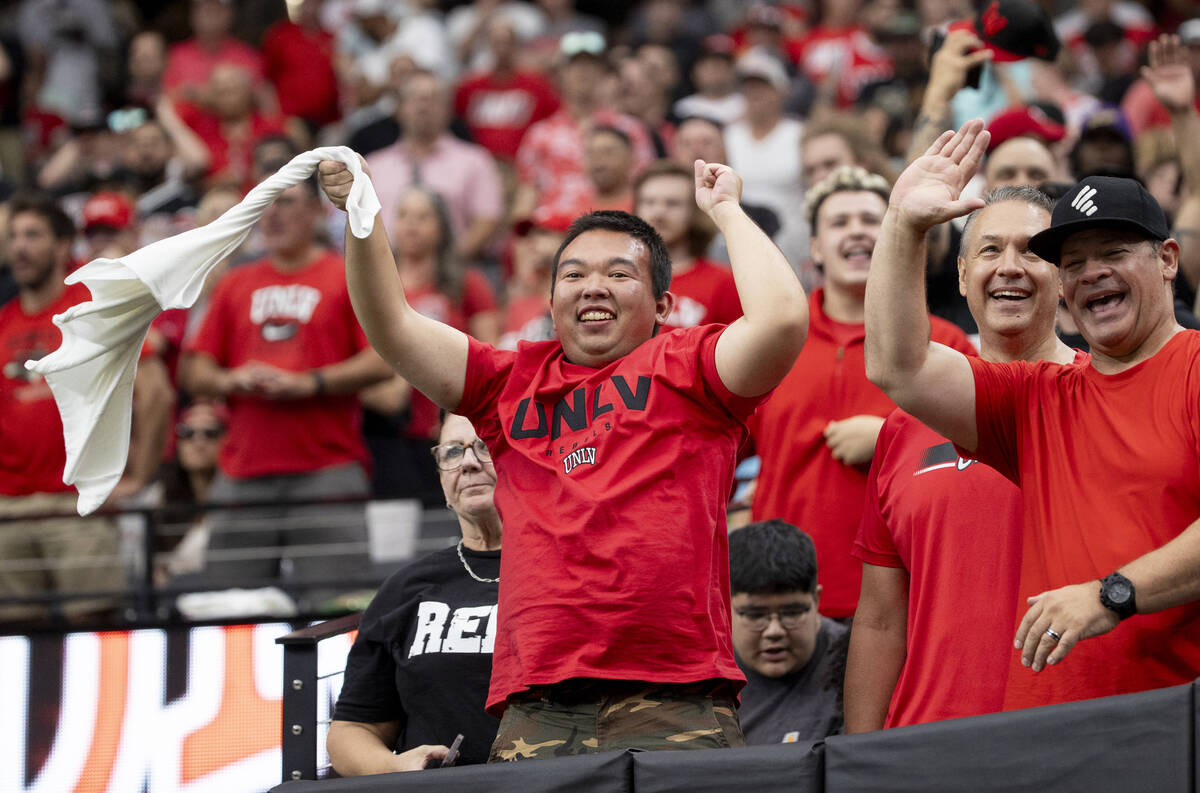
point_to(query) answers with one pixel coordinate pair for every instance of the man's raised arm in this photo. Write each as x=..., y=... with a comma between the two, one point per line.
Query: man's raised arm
x=758, y=349
x=929, y=380
x=427, y=353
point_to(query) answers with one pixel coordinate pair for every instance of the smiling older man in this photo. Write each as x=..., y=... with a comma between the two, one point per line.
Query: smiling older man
x=1106, y=455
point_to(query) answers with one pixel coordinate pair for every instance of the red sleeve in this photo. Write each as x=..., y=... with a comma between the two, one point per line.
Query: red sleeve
x=999, y=402
x=172, y=72
x=462, y=95
x=874, y=543
x=740, y=407
x=487, y=372
x=212, y=335
x=529, y=155
x=477, y=296
x=547, y=102
x=728, y=304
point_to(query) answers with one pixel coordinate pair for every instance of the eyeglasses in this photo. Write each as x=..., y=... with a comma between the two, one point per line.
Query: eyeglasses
x=577, y=42
x=450, y=456
x=186, y=433
x=789, y=617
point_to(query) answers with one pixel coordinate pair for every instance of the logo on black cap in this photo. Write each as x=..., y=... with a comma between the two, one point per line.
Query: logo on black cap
x=1083, y=201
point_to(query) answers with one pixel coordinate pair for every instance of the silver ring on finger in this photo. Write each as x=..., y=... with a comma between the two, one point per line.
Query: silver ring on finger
x=1053, y=634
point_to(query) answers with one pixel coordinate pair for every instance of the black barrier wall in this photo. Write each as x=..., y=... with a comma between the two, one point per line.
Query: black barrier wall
x=1136, y=742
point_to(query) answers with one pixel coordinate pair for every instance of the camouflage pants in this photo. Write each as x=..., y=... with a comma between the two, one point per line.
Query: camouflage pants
x=584, y=715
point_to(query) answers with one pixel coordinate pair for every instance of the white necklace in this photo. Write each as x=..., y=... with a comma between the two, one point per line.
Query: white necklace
x=471, y=572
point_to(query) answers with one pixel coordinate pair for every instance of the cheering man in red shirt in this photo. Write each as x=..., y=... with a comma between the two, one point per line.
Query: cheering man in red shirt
x=1105, y=454
x=930, y=512
x=614, y=446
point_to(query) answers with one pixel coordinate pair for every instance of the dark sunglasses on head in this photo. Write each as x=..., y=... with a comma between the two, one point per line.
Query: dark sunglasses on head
x=184, y=432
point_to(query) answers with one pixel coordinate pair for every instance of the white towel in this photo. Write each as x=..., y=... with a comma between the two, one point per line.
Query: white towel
x=91, y=374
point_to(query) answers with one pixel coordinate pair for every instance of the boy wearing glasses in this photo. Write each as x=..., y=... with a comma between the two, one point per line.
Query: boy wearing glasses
x=793, y=658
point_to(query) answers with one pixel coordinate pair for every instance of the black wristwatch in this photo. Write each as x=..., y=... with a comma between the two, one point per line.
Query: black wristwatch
x=1117, y=595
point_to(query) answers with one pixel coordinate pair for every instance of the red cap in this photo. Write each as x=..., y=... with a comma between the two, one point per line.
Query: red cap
x=1018, y=121
x=543, y=218
x=108, y=209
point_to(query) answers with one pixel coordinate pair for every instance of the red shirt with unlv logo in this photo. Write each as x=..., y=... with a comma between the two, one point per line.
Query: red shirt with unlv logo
x=295, y=321
x=612, y=487
x=32, y=454
x=704, y=294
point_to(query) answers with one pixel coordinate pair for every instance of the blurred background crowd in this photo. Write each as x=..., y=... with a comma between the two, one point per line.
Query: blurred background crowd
x=487, y=127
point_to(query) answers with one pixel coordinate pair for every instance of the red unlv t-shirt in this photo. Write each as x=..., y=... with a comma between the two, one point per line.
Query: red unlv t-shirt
x=296, y=321
x=1108, y=466
x=612, y=488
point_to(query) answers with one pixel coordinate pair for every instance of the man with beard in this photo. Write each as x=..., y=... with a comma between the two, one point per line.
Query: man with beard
x=72, y=555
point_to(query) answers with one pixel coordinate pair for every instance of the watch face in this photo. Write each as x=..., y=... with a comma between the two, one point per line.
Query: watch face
x=1118, y=592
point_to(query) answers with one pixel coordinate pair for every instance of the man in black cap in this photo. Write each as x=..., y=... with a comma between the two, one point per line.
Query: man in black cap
x=1107, y=454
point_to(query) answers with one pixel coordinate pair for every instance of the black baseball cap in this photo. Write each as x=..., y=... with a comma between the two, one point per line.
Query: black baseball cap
x=1100, y=202
x=1013, y=30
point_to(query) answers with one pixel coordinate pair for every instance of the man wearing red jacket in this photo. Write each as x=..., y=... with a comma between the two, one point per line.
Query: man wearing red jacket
x=817, y=431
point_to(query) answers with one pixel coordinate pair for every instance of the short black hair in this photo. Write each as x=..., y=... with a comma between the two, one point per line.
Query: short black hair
x=622, y=223
x=61, y=225
x=771, y=557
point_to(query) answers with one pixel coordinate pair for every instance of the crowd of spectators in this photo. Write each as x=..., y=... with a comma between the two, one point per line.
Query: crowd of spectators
x=487, y=127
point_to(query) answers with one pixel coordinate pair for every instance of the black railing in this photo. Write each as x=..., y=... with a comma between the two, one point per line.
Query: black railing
x=149, y=598
x=300, y=723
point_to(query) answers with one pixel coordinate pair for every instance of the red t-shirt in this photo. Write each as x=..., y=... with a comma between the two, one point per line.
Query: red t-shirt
x=612, y=487
x=950, y=523
x=477, y=298
x=295, y=321
x=1108, y=467
x=188, y=63
x=32, y=453
x=229, y=158
x=706, y=293
x=498, y=111
x=801, y=482
x=299, y=62
x=850, y=53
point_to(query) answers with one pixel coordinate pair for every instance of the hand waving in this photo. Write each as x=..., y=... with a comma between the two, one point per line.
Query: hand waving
x=928, y=191
x=1170, y=74
x=716, y=184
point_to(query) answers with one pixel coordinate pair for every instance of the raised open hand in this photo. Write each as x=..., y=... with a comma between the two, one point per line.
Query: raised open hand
x=716, y=184
x=928, y=191
x=1170, y=74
